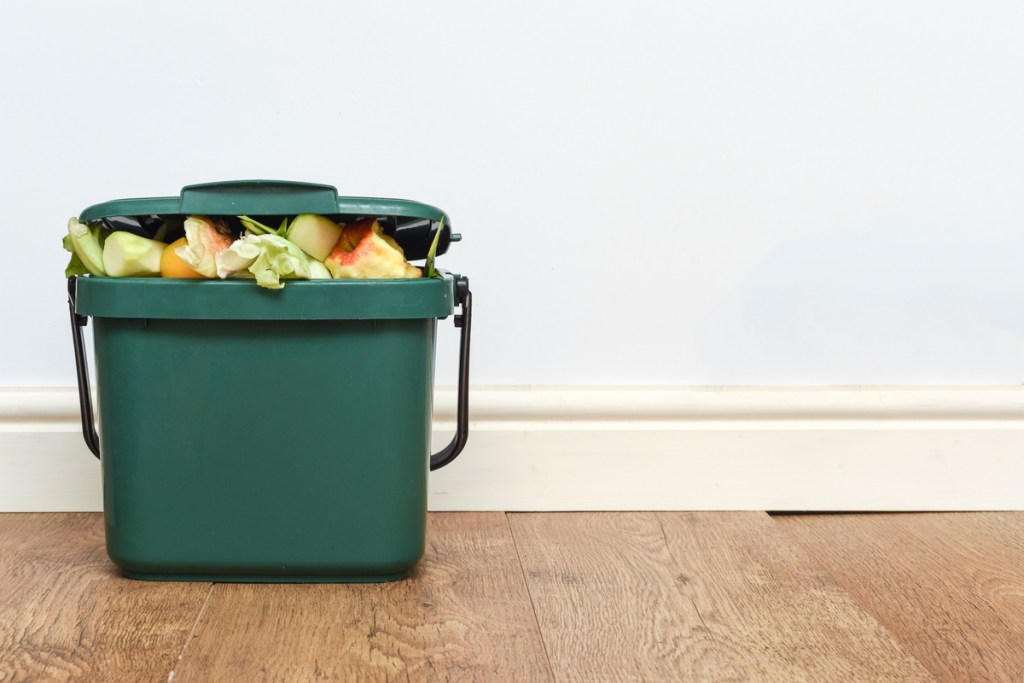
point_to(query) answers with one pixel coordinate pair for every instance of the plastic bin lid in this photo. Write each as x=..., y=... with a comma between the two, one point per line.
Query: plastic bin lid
x=282, y=198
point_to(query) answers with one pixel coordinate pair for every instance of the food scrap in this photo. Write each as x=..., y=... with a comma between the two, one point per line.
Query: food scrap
x=307, y=247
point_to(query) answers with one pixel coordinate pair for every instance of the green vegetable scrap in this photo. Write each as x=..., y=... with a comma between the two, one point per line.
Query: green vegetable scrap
x=86, y=246
x=75, y=265
x=306, y=246
x=270, y=258
x=257, y=228
x=432, y=252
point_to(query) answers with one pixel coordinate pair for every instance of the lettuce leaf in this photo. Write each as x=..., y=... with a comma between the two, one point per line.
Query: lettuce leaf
x=270, y=258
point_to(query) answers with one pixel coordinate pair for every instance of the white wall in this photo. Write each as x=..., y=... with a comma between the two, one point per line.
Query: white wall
x=679, y=192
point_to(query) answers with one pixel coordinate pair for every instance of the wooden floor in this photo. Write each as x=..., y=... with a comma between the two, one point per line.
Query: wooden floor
x=639, y=596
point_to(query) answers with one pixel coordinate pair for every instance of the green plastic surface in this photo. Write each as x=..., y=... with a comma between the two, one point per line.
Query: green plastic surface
x=262, y=197
x=159, y=298
x=264, y=435
x=265, y=450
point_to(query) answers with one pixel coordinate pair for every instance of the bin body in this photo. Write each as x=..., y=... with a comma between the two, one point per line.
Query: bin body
x=253, y=435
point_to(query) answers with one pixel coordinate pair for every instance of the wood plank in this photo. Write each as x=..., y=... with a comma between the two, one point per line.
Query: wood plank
x=949, y=586
x=67, y=614
x=645, y=596
x=773, y=608
x=603, y=587
x=464, y=614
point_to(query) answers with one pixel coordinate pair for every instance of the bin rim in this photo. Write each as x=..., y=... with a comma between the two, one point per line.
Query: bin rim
x=414, y=221
x=261, y=197
x=335, y=299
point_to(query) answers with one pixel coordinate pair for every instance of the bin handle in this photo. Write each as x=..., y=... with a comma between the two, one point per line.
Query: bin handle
x=464, y=297
x=258, y=197
x=92, y=440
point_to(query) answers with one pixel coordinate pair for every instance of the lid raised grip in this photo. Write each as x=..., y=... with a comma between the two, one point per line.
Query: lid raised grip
x=258, y=197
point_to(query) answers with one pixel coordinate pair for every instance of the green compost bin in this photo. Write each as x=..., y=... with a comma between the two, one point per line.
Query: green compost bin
x=261, y=435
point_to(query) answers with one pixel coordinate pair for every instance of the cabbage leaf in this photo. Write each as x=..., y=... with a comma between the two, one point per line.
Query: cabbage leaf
x=270, y=258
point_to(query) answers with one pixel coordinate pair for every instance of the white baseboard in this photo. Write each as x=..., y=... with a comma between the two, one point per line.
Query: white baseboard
x=630, y=448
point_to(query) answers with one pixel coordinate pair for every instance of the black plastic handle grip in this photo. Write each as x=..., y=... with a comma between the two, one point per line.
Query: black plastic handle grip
x=438, y=460
x=464, y=320
x=92, y=439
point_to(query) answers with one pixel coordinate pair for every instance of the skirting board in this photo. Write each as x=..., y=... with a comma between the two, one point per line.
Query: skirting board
x=643, y=448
